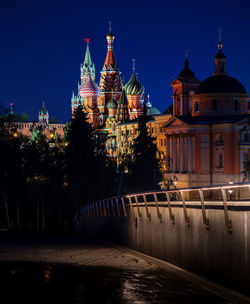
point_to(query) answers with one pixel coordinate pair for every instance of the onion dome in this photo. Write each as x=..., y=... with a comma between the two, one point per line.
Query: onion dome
x=220, y=84
x=112, y=104
x=133, y=86
x=186, y=72
x=89, y=88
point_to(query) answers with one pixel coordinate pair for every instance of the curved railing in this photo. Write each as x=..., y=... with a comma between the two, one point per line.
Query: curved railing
x=119, y=206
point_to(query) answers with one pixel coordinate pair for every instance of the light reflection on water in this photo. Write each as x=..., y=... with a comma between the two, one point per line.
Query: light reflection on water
x=43, y=283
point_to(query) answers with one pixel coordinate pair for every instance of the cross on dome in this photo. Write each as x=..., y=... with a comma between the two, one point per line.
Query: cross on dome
x=219, y=43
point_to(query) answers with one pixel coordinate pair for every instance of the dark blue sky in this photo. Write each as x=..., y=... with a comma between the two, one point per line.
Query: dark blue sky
x=42, y=46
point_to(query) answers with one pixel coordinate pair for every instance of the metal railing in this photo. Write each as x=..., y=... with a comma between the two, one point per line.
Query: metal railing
x=118, y=206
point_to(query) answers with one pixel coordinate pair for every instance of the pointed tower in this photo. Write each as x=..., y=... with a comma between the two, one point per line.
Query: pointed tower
x=122, y=114
x=110, y=81
x=184, y=87
x=76, y=100
x=220, y=59
x=43, y=116
x=90, y=92
x=134, y=91
x=88, y=67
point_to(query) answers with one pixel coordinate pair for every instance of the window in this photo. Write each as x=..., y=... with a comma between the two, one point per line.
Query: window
x=220, y=163
x=219, y=141
x=246, y=137
x=236, y=105
x=214, y=105
x=178, y=102
x=196, y=107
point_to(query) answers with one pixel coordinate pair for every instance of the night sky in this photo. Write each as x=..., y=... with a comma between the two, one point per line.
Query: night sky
x=42, y=46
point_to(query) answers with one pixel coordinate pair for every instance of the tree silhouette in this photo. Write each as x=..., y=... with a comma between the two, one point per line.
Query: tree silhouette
x=145, y=166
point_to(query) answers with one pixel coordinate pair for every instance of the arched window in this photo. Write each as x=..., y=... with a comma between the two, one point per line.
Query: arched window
x=220, y=161
x=196, y=106
x=178, y=102
x=214, y=105
x=190, y=94
x=236, y=105
x=219, y=141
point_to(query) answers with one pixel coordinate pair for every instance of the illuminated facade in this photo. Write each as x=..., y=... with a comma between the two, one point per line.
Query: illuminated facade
x=205, y=144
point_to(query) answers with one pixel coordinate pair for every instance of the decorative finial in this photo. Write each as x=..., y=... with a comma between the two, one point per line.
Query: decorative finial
x=87, y=40
x=219, y=43
x=186, y=55
x=133, y=60
x=110, y=26
x=11, y=108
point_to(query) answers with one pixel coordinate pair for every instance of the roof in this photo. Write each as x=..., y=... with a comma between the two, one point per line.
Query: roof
x=220, y=84
x=112, y=104
x=212, y=119
x=151, y=110
x=89, y=88
x=87, y=59
x=186, y=72
x=133, y=86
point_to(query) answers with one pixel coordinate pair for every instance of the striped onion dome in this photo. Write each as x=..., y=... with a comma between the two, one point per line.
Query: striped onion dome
x=133, y=86
x=90, y=88
x=112, y=104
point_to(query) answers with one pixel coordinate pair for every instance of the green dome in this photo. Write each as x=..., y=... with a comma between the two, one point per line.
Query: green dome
x=112, y=104
x=151, y=110
x=133, y=86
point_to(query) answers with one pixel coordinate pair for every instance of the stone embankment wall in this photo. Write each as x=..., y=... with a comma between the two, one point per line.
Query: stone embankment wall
x=213, y=249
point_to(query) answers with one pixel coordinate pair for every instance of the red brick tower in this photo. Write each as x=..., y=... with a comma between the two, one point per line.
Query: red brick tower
x=110, y=81
x=184, y=87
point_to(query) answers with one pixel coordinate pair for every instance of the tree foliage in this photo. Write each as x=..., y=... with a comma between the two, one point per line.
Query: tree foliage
x=145, y=167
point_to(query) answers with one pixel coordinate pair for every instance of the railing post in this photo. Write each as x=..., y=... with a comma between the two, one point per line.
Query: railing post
x=87, y=208
x=123, y=207
x=205, y=219
x=146, y=206
x=228, y=221
x=171, y=215
x=117, y=204
x=131, y=207
x=100, y=208
x=108, y=211
x=96, y=208
x=104, y=208
x=136, y=200
x=112, y=204
x=187, y=218
x=157, y=207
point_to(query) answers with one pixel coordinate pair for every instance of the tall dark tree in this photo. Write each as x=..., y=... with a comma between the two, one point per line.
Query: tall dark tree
x=81, y=160
x=11, y=178
x=145, y=165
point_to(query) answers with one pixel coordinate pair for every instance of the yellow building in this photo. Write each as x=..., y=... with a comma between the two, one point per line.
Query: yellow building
x=127, y=132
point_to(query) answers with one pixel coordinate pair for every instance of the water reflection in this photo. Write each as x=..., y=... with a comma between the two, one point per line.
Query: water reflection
x=61, y=284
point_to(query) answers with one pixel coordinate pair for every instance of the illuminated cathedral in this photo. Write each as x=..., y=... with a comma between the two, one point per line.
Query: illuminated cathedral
x=112, y=102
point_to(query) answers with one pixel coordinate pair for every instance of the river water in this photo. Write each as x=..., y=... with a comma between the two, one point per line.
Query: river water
x=65, y=284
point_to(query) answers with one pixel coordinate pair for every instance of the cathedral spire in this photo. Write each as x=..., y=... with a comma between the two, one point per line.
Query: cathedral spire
x=110, y=61
x=220, y=59
x=88, y=67
x=87, y=59
x=110, y=81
